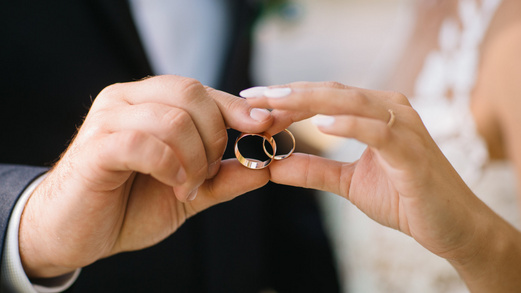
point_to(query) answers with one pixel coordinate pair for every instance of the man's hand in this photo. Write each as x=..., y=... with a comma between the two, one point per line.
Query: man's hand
x=147, y=157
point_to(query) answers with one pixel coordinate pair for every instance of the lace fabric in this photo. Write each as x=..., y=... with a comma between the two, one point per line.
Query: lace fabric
x=373, y=258
x=443, y=88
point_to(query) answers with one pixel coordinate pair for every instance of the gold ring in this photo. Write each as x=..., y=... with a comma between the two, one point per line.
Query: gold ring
x=280, y=157
x=391, y=119
x=254, y=163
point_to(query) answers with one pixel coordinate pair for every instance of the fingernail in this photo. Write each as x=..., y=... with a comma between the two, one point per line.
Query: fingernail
x=193, y=194
x=323, y=120
x=181, y=175
x=253, y=92
x=260, y=115
x=277, y=92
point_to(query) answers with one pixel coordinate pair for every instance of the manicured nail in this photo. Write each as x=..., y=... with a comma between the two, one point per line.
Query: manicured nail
x=193, y=194
x=277, y=92
x=260, y=114
x=181, y=175
x=253, y=92
x=323, y=120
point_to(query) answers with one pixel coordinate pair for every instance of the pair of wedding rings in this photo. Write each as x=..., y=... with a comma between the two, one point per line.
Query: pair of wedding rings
x=253, y=163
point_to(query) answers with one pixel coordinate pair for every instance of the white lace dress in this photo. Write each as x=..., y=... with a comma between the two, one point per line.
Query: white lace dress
x=373, y=258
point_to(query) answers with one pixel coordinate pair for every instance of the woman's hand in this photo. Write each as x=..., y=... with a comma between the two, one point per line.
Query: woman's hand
x=402, y=180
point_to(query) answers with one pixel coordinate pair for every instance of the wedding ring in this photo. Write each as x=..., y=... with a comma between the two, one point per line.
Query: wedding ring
x=280, y=157
x=391, y=119
x=254, y=163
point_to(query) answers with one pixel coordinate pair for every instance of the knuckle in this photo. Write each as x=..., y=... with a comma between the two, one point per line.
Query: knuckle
x=359, y=98
x=119, y=144
x=235, y=105
x=111, y=91
x=410, y=115
x=190, y=91
x=176, y=118
x=163, y=159
x=92, y=128
x=209, y=89
x=128, y=140
x=333, y=84
x=189, y=86
x=183, y=88
x=414, y=115
x=399, y=98
x=350, y=125
x=219, y=142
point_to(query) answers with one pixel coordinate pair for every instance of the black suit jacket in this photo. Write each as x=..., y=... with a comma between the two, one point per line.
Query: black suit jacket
x=55, y=57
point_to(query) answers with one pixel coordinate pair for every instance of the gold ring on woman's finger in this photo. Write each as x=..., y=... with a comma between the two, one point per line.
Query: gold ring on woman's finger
x=392, y=118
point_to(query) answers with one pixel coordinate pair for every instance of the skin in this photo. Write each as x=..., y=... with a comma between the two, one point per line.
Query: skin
x=402, y=180
x=123, y=202
x=128, y=179
x=479, y=244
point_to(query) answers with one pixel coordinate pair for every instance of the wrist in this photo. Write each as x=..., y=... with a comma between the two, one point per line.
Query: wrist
x=34, y=240
x=492, y=260
x=14, y=277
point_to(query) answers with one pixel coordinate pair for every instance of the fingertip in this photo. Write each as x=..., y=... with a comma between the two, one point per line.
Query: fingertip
x=192, y=194
x=240, y=115
x=249, y=120
x=253, y=92
x=181, y=176
x=323, y=120
x=260, y=115
x=260, y=91
x=184, y=194
x=277, y=93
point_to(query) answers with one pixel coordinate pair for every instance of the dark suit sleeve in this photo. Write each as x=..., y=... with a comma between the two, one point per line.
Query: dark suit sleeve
x=13, y=180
